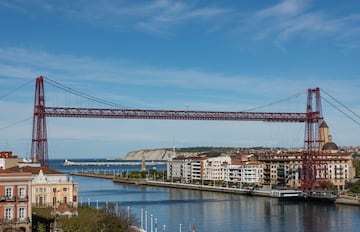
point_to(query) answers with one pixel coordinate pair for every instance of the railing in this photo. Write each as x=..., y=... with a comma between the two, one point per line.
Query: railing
x=14, y=221
x=7, y=198
x=23, y=198
x=13, y=198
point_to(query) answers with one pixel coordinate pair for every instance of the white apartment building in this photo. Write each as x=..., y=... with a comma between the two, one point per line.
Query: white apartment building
x=246, y=173
x=179, y=168
x=188, y=170
x=214, y=168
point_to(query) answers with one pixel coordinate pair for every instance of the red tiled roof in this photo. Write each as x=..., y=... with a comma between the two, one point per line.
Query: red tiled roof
x=34, y=170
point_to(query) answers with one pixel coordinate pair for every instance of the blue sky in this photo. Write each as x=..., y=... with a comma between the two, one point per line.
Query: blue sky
x=197, y=55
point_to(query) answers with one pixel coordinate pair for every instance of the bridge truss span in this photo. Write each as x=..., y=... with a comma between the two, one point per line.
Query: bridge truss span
x=312, y=118
x=175, y=114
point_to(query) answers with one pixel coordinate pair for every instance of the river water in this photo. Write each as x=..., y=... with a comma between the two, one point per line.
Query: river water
x=212, y=212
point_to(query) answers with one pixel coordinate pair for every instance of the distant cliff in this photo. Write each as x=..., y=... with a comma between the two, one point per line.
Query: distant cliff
x=157, y=154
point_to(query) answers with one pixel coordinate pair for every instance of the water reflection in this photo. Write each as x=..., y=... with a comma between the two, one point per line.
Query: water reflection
x=217, y=212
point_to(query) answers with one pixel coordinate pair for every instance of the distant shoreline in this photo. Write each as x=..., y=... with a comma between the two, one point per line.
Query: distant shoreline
x=111, y=163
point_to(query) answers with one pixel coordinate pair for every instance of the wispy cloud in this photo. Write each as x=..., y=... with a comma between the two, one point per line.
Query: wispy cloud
x=24, y=63
x=292, y=19
x=278, y=23
x=193, y=88
x=287, y=8
x=157, y=16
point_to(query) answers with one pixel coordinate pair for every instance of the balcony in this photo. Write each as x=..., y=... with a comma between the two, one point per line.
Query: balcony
x=7, y=198
x=22, y=198
x=15, y=221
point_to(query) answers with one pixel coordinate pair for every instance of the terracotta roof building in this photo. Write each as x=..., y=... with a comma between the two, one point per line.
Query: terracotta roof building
x=15, y=201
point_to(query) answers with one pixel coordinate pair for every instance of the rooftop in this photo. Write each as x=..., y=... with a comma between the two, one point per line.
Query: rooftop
x=34, y=170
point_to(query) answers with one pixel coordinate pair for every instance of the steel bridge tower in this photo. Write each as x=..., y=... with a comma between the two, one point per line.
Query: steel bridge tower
x=39, y=145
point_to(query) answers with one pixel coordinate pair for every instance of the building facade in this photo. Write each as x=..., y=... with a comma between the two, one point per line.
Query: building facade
x=244, y=173
x=270, y=170
x=285, y=169
x=195, y=169
x=15, y=201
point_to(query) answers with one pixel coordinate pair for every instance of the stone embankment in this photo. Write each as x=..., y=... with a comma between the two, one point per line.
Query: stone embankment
x=95, y=175
x=342, y=199
x=348, y=200
x=254, y=192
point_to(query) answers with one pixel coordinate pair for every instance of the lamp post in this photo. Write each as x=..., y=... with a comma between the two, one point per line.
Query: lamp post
x=54, y=206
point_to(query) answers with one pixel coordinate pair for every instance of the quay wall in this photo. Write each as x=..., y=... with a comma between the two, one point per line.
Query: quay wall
x=348, y=200
x=115, y=163
x=95, y=175
x=176, y=185
x=342, y=199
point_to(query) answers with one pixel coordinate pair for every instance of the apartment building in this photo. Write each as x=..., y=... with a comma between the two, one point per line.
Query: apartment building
x=179, y=169
x=244, y=173
x=214, y=168
x=285, y=169
x=15, y=201
x=188, y=170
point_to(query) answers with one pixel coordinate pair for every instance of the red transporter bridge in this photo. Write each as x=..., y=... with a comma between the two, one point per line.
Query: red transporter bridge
x=312, y=119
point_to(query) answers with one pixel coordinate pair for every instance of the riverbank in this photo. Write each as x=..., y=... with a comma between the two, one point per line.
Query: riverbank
x=348, y=200
x=342, y=199
x=254, y=192
x=111, y=163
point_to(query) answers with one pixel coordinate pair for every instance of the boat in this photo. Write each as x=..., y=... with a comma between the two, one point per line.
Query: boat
x=321, y=196
x=67, y=163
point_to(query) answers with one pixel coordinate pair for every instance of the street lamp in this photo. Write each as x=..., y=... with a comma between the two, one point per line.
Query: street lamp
x=54, y=206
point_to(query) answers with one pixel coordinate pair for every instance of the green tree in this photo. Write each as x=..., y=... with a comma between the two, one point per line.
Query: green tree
x=356, y=164
x=40, y=227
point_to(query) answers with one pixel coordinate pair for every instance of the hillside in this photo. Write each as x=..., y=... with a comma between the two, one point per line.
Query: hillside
x=167, y=153
x=156, y=154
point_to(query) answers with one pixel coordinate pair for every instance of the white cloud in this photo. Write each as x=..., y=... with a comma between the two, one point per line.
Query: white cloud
x=291, y=19
x=286, y=8
x=152, y=16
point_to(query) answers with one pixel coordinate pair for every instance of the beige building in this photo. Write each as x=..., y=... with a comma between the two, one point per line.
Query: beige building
x=7, y=160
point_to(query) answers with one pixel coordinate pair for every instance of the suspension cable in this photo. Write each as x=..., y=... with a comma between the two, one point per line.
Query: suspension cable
x=276, y=102
x=341, y=111
x=15, y=123
x=16, y=89
x=84, y=95
x=357, y=115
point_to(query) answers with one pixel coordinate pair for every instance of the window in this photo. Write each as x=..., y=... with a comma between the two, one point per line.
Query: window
x=22, y=192
x=9, y=192
x=8, y=213
x=22, y=213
